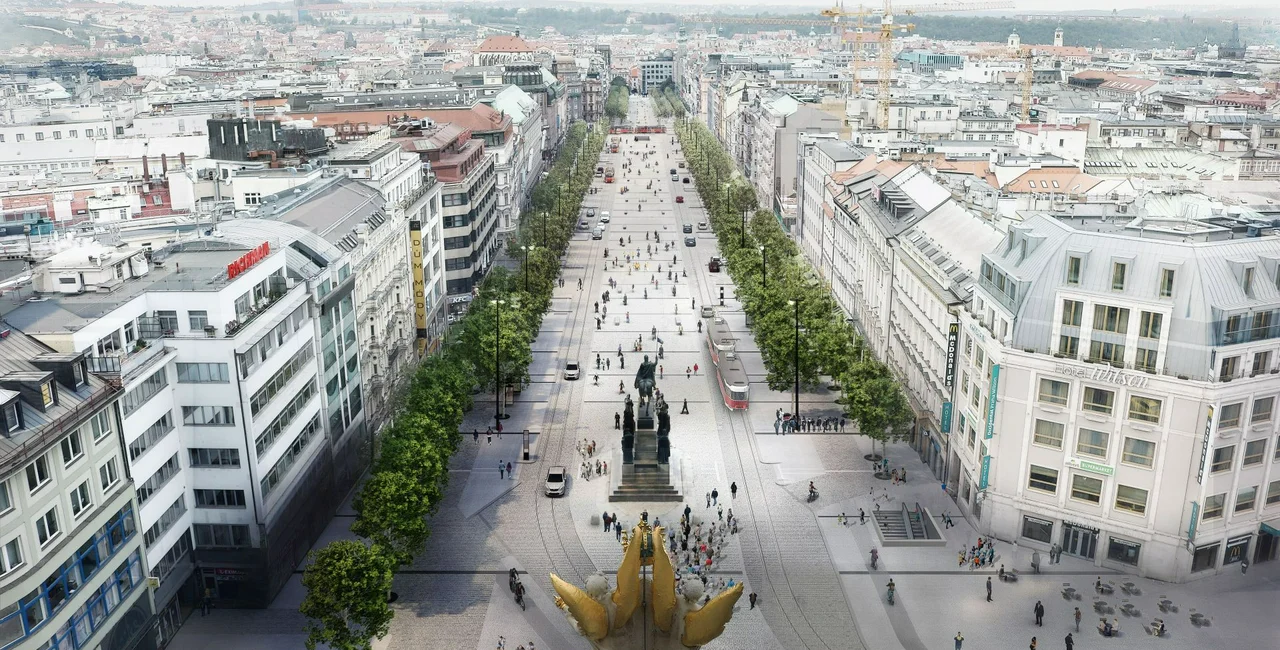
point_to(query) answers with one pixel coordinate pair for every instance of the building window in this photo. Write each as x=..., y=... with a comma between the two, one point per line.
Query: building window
x=1098, y=400
x=1118, y=271
x=1139, y=452
x=222, y=536
x=12, y=417
x=218, y=458
x=208, y=416
x=219, y=498
x=203, y=373
x=72, y=448
x=1246, y=498
x=1261, y=362
x=1086, y=488
x=1091, y=442
x=47, y=526
x=1149, y=325
x=253, y=198
x=159, y=479
x=1034, y=528
x=1262, y=409
x=1146, y=359
x=80, y=499
x=141, y=394
x=1119, y=550
x=1043, y=478
x=6, y=500
x=1054, y=392
x=1069, y=346
x=1273, y=493
x=1145, y=409
x=198, y=320
x=168, y=321
x=1072, y=312
x=1111, y=319
x=1108, y=352
x=38, y=474
x=295, y=365
x=154, y=433
x=11, y=555
x=1131, y=498
x=1229, y=417
x=1222, y=457
x=1230, y=366
x=109, y=475
x=166, y=520
x=1213, y=506
x=1048, y=433
x=1166, y=283
x=1254, y=452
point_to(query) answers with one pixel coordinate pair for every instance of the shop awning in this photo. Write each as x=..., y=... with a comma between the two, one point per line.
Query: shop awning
x=1271, y=527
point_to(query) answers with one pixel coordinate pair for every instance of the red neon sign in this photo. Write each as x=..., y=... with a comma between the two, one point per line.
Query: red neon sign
x=248, y=260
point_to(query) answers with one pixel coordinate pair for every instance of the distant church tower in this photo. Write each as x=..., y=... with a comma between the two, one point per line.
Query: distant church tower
x=1057, y=37
x=1233, y=48
x=1015, y=42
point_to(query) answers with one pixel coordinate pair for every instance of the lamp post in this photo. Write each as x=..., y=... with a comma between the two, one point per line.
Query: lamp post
x=497, y=359
x=744, y=229
x=544, y=228
x=764, y=268
x=796, y=358
x=526, y=250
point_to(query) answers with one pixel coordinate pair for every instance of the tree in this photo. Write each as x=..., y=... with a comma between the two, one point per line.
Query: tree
x=193, y=20
x=347, y=585
x=873, y=399
x=392, y=512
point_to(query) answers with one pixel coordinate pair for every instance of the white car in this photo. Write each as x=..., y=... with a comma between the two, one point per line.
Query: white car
x=572, y=371
x=556, y=481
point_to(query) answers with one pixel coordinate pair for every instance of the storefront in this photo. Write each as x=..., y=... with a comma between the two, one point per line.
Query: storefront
x=1079, y=540
x=1268, y=542
x=1237, y=549
x=1123, y=552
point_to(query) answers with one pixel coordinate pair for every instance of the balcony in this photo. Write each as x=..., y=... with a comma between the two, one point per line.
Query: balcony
x=126, y=366
x=428, y=181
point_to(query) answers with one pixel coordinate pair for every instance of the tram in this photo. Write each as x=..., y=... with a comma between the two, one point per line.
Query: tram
x=732, y=377
x=720, y=339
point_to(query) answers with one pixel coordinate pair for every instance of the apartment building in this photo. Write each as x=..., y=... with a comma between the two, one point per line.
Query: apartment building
x=468, y=202
x=72, y=571
x=241, y=403
x=1117, y=392
x=819, y=156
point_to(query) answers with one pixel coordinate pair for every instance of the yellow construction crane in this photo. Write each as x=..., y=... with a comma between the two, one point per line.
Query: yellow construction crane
x=887, y=29
x=836, y=14
x=1028, y=74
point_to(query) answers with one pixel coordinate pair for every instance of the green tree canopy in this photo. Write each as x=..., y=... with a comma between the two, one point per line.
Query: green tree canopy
x=347, y=585
x=392, y=512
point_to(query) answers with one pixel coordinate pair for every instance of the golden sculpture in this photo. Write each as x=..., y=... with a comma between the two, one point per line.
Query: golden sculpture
x=679, y=618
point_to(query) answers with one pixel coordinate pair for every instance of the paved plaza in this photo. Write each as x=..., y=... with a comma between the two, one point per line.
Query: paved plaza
x=813, y=576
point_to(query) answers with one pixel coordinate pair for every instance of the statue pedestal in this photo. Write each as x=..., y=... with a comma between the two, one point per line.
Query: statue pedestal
x=644, y=418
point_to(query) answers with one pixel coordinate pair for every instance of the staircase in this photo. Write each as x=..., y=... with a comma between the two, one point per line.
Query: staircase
x=645, y=479
x=892, y=524
x=917, y=528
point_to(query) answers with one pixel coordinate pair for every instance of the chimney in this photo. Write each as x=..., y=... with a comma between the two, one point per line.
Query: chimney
x=146, y=169
x=164, y=165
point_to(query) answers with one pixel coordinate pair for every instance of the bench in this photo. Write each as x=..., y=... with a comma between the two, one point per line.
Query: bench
x=1102, y=629
x=1010, y=576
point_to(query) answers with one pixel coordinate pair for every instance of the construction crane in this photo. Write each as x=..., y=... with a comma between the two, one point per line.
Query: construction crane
x=887, y=29
x=836, y=14
x=1028, y=74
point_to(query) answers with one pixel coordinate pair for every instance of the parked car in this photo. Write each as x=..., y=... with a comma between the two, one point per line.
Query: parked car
x=714, y=265
x=572, y=371
x=708, y=311
x=702, y=225
x=681, y=164
x=680, y=199
x=591, y=212
x=604, y=217
x=556, y=481
x=598, y=233
x=686, y=229
x=686, y=180
x=583, y=225
x=690, y=241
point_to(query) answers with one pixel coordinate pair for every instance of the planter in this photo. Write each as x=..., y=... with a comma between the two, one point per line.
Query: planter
x=875, y=458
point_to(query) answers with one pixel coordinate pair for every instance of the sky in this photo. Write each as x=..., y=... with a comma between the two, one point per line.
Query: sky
x=775, y=5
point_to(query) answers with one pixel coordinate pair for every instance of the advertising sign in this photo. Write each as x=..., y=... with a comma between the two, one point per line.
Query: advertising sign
x=991, y=402
x=953, y=344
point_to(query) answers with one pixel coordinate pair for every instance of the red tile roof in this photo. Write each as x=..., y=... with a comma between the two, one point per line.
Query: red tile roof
x=504, y=44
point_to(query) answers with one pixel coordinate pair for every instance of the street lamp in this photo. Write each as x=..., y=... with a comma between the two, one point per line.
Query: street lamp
x=744, y=229
x=526, y=250
x=764, y=268
x=497, y=359
x=796, y=358
x=544, y=228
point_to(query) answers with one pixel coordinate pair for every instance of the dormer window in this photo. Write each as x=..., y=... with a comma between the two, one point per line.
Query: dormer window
x=1074, y=265
x=47, y=394
x=1119, y=271
x=12, y=416
x=1247, y=281
x=77, y=372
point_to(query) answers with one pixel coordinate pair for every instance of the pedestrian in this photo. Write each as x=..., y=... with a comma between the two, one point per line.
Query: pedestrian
x=1039, y=610
x=988, y=588
x=695, y=368
x=708, y=499
x=688, y=372
x=488, y=436
x=752, y=598
x=617, y=420
x=617, y=530
x=1035, y=561
x=959, y=640
x=475, y=435
x=720, y=512
x=841, y=425
x=733, y=490
x=499, y=431
x=511, y=475
x=776, y=425
x=687, y=510
x=206, y=603
x=502, y=643
x=1033, y=643
x=608, y=523
x=902, y=475
x=1077, y=615
x=1071, y=643
x=684, y=410
x=862, y=517
x=501, y=468
x=715, y=496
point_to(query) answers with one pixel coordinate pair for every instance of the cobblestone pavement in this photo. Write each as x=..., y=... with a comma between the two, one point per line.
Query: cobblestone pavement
x=815, y=586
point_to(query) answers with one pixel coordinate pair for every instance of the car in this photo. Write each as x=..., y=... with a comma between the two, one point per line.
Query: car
x=604, y=217
x=680, y=199
x=708, y=311
x=572, y=371
x=714, y=265
x=583, y=225
x=690, y=241
x=598, y=233
x=681, y=164
x=686, y=229
x=557, y=480
x=591, y=212
x=674, y=178
x=674, y=172
x=702, y=225
x=686, y=180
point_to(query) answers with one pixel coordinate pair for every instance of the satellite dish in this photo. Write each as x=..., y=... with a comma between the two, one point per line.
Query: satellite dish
x=968, y=182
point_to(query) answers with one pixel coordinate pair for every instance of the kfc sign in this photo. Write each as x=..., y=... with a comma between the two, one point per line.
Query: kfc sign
x=248, y=260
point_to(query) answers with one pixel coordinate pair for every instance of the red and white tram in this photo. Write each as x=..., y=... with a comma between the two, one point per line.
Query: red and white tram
x=720, y=339
x=732, y=377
